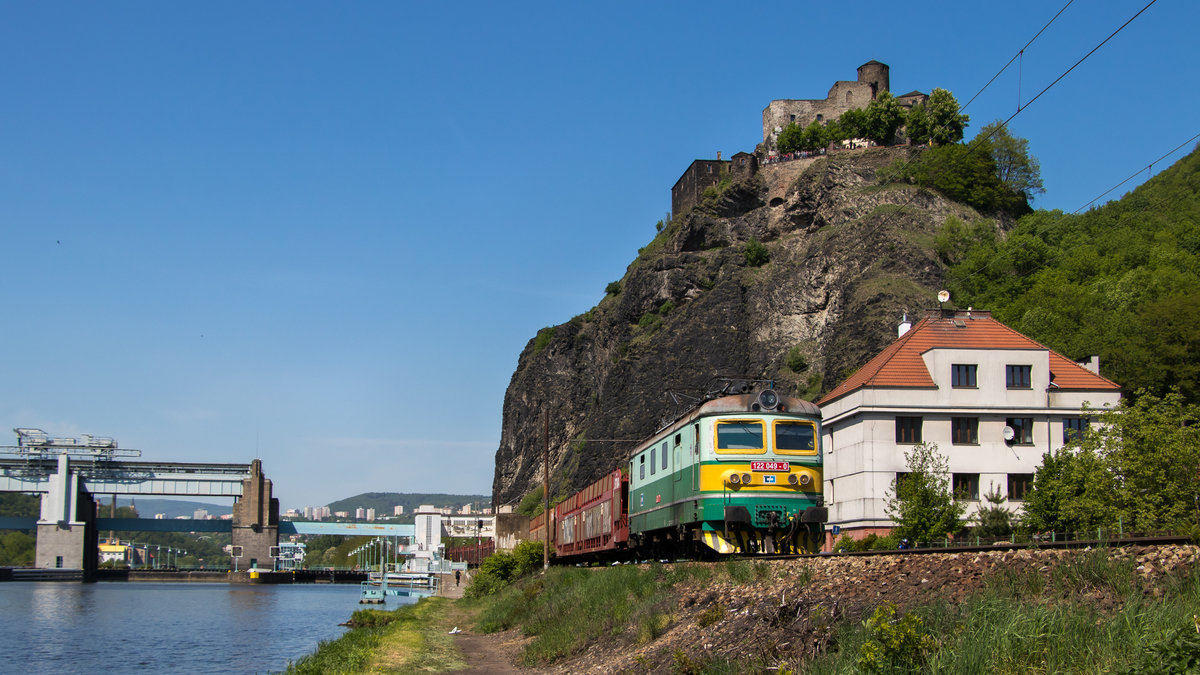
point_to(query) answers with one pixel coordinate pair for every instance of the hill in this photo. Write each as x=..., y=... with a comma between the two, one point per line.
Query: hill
x=385, y=502
x=796, y=274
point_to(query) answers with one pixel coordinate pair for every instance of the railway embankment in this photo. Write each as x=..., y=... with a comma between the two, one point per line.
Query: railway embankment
x=996, y=611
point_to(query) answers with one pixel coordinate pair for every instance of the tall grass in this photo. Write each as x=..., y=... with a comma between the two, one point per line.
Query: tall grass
x=1058, y=631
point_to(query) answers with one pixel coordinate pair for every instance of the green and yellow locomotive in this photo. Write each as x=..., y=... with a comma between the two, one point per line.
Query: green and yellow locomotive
x=739, y=473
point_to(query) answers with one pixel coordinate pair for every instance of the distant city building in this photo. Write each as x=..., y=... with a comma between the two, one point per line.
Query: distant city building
x=397, y=510
x=342, y=514
x=200, y=514
x=308, y=513
x=370, y=514
x=360, y=513
x=465, y=510
x=291, y=513
x=160, y=516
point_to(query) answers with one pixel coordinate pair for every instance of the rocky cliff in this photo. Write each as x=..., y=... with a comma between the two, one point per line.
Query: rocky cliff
x=847, y=256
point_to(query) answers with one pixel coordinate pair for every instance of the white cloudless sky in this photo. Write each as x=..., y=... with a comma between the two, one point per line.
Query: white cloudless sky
x=321, y=233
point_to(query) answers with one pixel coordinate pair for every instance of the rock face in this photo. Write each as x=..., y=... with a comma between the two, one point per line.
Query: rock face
x=847, y=258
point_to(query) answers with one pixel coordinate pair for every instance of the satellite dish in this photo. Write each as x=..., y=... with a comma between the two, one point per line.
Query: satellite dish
x=1009, y=433
x=943, y=296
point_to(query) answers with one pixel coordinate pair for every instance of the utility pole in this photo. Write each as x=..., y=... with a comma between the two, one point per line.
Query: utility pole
x=546, y=487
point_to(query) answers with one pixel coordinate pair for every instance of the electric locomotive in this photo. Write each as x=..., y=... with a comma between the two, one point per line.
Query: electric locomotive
x=738, y=473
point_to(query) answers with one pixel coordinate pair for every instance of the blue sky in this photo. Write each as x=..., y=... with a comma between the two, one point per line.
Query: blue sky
x=321, y=233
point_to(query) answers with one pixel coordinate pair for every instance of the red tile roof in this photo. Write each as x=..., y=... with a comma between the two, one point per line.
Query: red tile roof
x=901, y=363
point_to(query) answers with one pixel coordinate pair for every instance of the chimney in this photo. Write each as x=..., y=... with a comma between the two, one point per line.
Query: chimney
x=718, y=155
x=904, y=327
x=1091, y=363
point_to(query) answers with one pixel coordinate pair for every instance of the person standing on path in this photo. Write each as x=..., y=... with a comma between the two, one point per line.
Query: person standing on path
x=457, y=576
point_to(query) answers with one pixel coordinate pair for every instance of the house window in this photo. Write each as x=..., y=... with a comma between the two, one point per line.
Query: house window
x=1019, y=485
x=1017, y=377
x=1074, y=428
x=963, y=375
x=964, y=430
x=1022, y=430
x=966, y=486
x=908, y=429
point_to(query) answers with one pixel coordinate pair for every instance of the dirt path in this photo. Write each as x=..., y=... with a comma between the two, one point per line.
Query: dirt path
x=485, y=654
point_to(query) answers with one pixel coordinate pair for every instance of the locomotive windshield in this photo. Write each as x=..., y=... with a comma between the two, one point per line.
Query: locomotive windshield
x=740, y=435
x=795, y=438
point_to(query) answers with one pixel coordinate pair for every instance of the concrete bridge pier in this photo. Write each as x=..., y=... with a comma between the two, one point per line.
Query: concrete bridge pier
x=255, y=522
x=66, y=530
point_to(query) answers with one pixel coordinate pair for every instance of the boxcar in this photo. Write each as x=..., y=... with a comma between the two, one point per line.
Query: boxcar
x=593, y=523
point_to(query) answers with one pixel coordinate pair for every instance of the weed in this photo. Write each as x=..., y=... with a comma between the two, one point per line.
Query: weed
x=686, y=665
x=712, y=615
x=739, y=571
x=756, y=253
x=543, y=338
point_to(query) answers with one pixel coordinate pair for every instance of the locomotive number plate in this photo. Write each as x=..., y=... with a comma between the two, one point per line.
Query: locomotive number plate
x=770, y=466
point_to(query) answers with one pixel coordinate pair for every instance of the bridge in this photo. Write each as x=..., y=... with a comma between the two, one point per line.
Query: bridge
x=67, y=472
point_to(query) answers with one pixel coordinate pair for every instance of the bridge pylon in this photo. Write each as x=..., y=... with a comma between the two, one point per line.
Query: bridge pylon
x=255, y=521
x=66, y=529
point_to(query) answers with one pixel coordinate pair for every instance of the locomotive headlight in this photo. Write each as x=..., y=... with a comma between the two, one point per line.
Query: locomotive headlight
x=805, y=479
x=793, y=479
x=734, y=479
x=746, y=478
x=768, y=399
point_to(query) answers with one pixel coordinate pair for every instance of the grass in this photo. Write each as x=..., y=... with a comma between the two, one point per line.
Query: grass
x=570, y=608
x=413, y=638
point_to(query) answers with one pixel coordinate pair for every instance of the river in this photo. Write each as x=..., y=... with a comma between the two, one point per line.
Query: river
x=133, y=627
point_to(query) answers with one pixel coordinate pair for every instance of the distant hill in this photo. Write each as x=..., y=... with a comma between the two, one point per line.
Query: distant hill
x=385, y=502
x=170, y=508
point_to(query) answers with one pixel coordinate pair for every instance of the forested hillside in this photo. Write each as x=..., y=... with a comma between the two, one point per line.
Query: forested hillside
x=1121, y=281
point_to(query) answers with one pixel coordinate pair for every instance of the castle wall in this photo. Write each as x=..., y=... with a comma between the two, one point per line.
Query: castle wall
x=842, y=96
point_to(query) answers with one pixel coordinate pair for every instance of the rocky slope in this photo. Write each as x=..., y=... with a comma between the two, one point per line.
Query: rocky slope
x=847, y=257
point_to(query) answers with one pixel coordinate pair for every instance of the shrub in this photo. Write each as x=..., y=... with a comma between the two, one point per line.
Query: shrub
x=756, y=253
x=613, y=288
x=666, y=308
x=896, y=645
x=797, y=362
x=543, y=339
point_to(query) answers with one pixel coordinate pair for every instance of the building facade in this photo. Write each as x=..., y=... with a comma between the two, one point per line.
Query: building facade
x=993, y=400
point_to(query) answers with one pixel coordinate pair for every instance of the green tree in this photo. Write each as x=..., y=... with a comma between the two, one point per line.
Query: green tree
x=937, y=120
x=920, y=502
x=1151, y=446
x=883, y=117
x=1140, y=466
x=851, y=124
x=1015, y=167
x=1072, y=492
x=789, y=139
x=993, y=518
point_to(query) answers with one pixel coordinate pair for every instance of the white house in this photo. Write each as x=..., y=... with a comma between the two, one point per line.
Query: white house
x=991, y=399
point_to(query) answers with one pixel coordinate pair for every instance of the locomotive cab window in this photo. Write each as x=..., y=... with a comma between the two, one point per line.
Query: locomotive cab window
x=741, y=437
x=795, y=438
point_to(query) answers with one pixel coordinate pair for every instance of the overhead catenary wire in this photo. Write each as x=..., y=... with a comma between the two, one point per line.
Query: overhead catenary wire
x=1016, y=56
